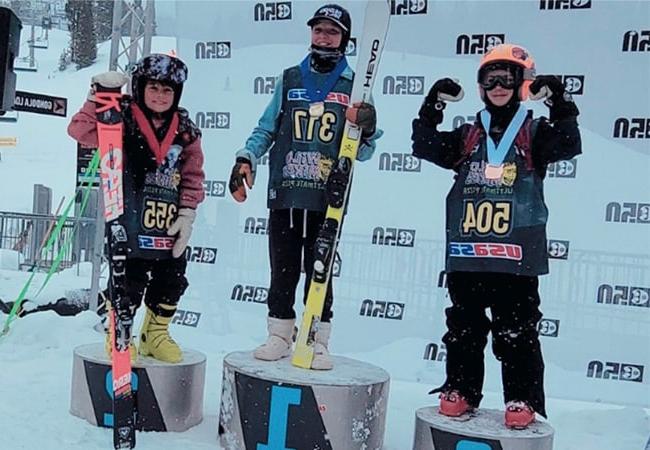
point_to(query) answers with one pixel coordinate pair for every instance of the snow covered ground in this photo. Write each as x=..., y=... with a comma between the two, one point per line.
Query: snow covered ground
x=36, y=357
x=36, y=365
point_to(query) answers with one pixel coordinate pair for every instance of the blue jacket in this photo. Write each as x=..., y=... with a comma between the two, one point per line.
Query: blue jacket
x=266, y=136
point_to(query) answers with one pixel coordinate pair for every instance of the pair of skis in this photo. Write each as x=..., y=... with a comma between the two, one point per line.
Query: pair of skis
x=109, y=133
x=375, y=28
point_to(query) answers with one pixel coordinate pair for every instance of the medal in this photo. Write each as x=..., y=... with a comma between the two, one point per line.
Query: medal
x=316, y=109
x=318, y=92
x=496, y=154
x=493, y=172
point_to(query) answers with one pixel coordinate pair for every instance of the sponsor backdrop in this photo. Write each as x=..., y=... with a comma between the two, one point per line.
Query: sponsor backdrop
x=389, y=288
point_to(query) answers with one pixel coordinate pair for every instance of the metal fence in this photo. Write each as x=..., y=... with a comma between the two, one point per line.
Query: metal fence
x=28, y=233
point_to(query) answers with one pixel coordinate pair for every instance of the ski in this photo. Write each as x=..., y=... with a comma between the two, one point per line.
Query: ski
x=109, y=133
x=375, y=28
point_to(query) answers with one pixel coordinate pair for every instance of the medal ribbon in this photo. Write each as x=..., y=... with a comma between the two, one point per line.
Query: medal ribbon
x=315, y=94
x=496, y=154
x=159, y=149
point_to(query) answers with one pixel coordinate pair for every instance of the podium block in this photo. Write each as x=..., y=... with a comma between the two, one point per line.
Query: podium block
x=276, y=406
x=484, y=431
x=169, y=397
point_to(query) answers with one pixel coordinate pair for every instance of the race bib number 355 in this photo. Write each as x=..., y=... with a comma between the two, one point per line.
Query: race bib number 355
x=158, y=215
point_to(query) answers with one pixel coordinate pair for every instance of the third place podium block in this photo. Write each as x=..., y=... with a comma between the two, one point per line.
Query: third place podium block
x=484, y=431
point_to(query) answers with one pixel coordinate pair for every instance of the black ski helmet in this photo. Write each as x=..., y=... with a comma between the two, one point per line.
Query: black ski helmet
x=337, y=15
x=158, y=67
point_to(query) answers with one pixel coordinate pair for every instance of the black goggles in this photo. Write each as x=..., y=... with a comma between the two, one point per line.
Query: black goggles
x=489, y=82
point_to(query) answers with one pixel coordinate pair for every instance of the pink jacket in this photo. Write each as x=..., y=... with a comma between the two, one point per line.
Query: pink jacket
x=83, y=129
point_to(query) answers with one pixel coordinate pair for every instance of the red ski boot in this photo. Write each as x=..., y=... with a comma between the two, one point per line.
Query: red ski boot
x=453, y=404
x=519, y=415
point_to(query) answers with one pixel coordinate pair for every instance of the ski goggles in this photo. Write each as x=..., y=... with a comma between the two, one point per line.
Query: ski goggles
x=490, y=81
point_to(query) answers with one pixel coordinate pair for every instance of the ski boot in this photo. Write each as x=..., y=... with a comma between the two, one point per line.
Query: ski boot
x=155, y=340
x=519, y=415
x=452, y=404
x=278, y=344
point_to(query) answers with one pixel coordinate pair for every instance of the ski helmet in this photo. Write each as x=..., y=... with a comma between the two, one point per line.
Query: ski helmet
x=514, y=58
x=337, y=15
x=158, y=67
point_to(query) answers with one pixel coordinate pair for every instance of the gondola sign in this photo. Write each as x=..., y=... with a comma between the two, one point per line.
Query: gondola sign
x=41, y=104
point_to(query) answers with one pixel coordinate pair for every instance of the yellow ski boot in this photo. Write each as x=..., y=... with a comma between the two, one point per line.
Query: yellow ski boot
x=155, y=340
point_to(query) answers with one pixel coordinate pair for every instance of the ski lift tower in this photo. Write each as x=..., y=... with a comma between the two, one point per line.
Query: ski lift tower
x=139, y=17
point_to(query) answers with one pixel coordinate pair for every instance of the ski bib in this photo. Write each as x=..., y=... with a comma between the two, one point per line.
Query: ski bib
x=152, y=181
x=496, y=219
x=307, y=143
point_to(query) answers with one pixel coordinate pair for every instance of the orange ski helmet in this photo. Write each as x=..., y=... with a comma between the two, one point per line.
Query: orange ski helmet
x=509, y=55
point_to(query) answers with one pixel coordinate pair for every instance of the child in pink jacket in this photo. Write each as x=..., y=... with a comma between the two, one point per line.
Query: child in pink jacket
x=162, y=184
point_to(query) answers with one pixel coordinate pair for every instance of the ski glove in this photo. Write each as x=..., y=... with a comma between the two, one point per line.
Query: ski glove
x=106, y=82
x=364, y=116
x=182, y=229
x=560, y=102
x=241, y=172
x=443, y=90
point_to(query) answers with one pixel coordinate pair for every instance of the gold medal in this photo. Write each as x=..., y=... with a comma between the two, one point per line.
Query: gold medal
x=493, y=172
x=316, y=109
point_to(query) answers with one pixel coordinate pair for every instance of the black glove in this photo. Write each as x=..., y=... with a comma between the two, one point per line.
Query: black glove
x=559, y=101
x=241, y=172
x=364, y=116
x=442, y=91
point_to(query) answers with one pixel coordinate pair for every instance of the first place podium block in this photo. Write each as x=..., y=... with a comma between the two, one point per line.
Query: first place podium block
x=169, y=397
x=484, y=431
x=276, y=406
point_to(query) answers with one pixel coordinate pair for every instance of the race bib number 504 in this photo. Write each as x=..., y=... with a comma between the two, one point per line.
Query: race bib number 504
x=486, y=218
